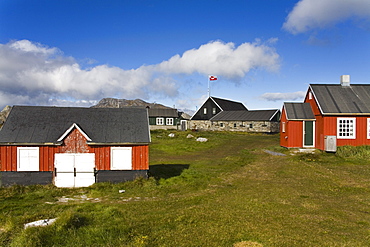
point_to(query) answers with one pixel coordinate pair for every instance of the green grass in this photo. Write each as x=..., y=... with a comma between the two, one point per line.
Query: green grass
x=224, y=192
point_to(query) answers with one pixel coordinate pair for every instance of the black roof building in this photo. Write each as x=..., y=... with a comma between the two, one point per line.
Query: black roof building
x=40, y=125
x=213, y=106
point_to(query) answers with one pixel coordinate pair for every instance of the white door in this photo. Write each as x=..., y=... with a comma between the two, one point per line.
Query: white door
x=74, y=170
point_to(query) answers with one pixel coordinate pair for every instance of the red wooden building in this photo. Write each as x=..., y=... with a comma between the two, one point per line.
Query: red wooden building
x=73, y=147
x=338, y=115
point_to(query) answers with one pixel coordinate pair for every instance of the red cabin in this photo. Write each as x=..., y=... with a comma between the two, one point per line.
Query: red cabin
x=73, y=147
x=339, y=115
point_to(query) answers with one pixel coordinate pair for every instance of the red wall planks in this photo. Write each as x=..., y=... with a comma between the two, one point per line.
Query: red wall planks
x=75, y=142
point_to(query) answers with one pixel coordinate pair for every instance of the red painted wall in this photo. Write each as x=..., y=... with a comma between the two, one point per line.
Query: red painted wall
x=75, y=142
x=327, y=125
x=293, y=136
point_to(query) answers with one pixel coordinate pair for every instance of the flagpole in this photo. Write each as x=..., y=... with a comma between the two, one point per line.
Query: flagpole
x=209, y=92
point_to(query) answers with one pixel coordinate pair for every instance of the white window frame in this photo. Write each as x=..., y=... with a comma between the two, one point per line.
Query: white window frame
x=159, y=121
x=31, y=163
x=283, y=127
x=123, y=152
x=346, y=128
x=214, y=110
x=205, y=110
x=368, y=128
x=310, y=95
x=169, y=121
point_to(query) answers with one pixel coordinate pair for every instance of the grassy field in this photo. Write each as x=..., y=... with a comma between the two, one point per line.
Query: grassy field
x=224, y=192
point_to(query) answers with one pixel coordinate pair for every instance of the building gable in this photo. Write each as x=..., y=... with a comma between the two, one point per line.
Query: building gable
x=213, y=106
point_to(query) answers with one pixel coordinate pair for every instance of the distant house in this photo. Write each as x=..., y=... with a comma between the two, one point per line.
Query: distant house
x=339, y=115
x=73, y=147
x=166, y=118
x=225, y=115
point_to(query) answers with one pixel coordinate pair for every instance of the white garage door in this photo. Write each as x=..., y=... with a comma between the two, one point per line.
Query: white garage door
x=74, y=170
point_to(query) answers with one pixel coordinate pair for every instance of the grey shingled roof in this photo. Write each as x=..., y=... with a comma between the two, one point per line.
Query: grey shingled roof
x=163, y=112
x=257, y=115
x=298, y=111
x=337, y=99
x=228, y=105
x=41, y=125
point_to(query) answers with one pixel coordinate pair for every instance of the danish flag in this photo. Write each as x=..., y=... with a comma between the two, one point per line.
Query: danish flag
x=212, y=78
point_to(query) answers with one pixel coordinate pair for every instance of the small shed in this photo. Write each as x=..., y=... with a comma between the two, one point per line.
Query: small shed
x=297, y=125
x=72, y=146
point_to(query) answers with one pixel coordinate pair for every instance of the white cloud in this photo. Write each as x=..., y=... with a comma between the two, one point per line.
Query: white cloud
x=223, y=59
x=312, y=14
x=32, y=73
x=283, y=96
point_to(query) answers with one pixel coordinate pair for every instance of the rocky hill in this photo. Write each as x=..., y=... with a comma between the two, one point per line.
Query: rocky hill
x=4, y=114
x=118, y=103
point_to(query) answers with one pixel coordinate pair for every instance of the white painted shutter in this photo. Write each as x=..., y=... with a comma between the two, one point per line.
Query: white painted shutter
x=121, y=158
x=28, y=159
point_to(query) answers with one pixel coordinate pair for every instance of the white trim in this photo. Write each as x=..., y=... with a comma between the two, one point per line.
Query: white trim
x=74, y=125
x=169, y=121
x=315, y=99
x=124, y=153
x=29, y=163
x=368, y=128
x=273, y=115
x=159, y=121
x=353, y=136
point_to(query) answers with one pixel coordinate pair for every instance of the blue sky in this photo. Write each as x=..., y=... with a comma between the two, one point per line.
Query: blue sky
x=264, y=52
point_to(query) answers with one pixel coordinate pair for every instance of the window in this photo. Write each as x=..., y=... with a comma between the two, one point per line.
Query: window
x=204, y=111
x=346, y=128
x=309, y=95
x=169, y=121
x=121, y=158
x=28, y=159
x=221, y=125
x=283, y=127
x=368, y=128
x=159, y=121
x=213, y=111
x=251, y=126
x=235, y=125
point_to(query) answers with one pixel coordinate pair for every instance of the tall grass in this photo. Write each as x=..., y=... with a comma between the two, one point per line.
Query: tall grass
x=351, y=152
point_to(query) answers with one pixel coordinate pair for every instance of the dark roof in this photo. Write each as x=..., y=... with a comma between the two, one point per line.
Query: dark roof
x=298, y=111
x=337, y=99
x=41, y=125
x=257, y=115
x=163, y=112
x=228, y=105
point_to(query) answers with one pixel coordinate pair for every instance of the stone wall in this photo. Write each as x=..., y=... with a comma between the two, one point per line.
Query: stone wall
x=245, y=126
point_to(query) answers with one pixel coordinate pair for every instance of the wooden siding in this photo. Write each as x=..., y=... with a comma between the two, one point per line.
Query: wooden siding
x=327, y=126
x=75, y=142
x=293, y=136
